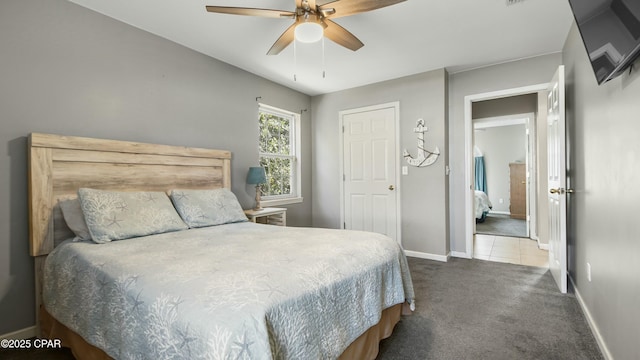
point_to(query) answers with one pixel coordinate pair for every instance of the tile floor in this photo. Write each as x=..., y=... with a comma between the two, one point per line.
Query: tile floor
x=510, y=250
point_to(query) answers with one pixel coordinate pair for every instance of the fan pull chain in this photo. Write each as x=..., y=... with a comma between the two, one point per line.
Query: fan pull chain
x=324, y=67
x=295, y=61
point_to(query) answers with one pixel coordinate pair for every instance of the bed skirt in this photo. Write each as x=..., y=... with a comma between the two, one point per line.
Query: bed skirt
x=364, y=347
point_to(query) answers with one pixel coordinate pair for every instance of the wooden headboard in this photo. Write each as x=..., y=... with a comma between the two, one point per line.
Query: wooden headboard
x=60, y=165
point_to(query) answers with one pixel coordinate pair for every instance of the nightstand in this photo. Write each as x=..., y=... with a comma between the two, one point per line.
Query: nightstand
x=270, y=215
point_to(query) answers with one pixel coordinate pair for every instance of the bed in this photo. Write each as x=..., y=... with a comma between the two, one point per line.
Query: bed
x=482, y=206
x=233, y=290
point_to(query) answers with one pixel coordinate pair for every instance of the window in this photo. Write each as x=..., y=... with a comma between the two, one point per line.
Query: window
x=279, y=154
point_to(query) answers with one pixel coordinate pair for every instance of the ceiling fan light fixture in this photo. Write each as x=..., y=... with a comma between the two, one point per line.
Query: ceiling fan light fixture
x=309, y=32
x=311, y=18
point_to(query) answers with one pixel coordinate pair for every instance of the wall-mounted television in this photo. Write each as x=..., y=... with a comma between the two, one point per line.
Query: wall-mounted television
x=610, y=30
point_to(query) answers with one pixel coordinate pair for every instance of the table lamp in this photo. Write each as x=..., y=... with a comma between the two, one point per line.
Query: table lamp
x=257, y=176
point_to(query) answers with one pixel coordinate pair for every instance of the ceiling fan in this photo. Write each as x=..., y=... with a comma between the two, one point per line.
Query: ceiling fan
x=312, y=21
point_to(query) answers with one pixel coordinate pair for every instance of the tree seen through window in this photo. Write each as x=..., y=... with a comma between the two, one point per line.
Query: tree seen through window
x=277, y=152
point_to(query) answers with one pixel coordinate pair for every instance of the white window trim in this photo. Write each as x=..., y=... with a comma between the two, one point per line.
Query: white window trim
x=284, y=201
x=296, y=181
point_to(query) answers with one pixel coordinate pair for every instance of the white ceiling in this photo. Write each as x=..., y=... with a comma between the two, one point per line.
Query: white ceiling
x=407, y=38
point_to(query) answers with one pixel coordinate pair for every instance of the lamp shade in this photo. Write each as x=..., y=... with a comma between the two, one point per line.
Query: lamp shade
x=256, y=175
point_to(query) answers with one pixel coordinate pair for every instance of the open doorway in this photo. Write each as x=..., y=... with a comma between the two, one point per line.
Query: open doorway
x=505, y=124
x=504, y=175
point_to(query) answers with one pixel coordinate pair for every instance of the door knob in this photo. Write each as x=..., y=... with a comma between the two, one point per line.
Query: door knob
x=557, y=191
x=391, y=187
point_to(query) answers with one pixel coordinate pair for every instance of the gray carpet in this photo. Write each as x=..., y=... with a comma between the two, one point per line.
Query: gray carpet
x=497, y=224
x=474, y=309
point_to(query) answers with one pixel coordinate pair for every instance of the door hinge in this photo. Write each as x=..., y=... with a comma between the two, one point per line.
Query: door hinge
x=343, y=129
x=344, y=225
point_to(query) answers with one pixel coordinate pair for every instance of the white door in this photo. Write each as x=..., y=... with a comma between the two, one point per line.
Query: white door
x=557, y=181
x=369, y=170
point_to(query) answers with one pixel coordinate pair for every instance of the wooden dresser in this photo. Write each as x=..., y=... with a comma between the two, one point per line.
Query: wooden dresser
x=518, y=191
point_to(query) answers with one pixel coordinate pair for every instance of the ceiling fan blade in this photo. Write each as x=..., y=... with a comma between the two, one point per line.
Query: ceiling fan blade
x=251, y=11
x=283, y=41
x=346, y=8
x=341, y=36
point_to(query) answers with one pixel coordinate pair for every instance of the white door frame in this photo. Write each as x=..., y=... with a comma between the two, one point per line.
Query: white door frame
x=396, y=106
x=468, y=151
x=528, y=119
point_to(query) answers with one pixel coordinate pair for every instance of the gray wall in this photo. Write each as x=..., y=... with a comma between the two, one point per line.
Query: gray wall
x=514, y=74
x=500, y=146
x=521, y=104
x=604, y=170
x=67, y=70
x=424, y=190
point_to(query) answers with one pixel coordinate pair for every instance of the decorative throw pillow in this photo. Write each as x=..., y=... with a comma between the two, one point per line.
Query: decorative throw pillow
x=72, y=213
x=113, y=215
x=200, y=208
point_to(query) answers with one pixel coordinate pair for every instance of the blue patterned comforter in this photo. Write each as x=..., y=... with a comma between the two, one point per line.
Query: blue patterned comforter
x=236, y=291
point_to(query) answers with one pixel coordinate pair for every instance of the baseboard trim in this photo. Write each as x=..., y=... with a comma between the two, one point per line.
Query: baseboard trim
x=499, y=212
x=25, y=333
x=542, y=246
x=460, y=254
x=592, y=324
x=422, y=255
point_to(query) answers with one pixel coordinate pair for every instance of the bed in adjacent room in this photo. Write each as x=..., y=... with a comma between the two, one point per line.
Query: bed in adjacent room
x=142, y=251
x=482, y=206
